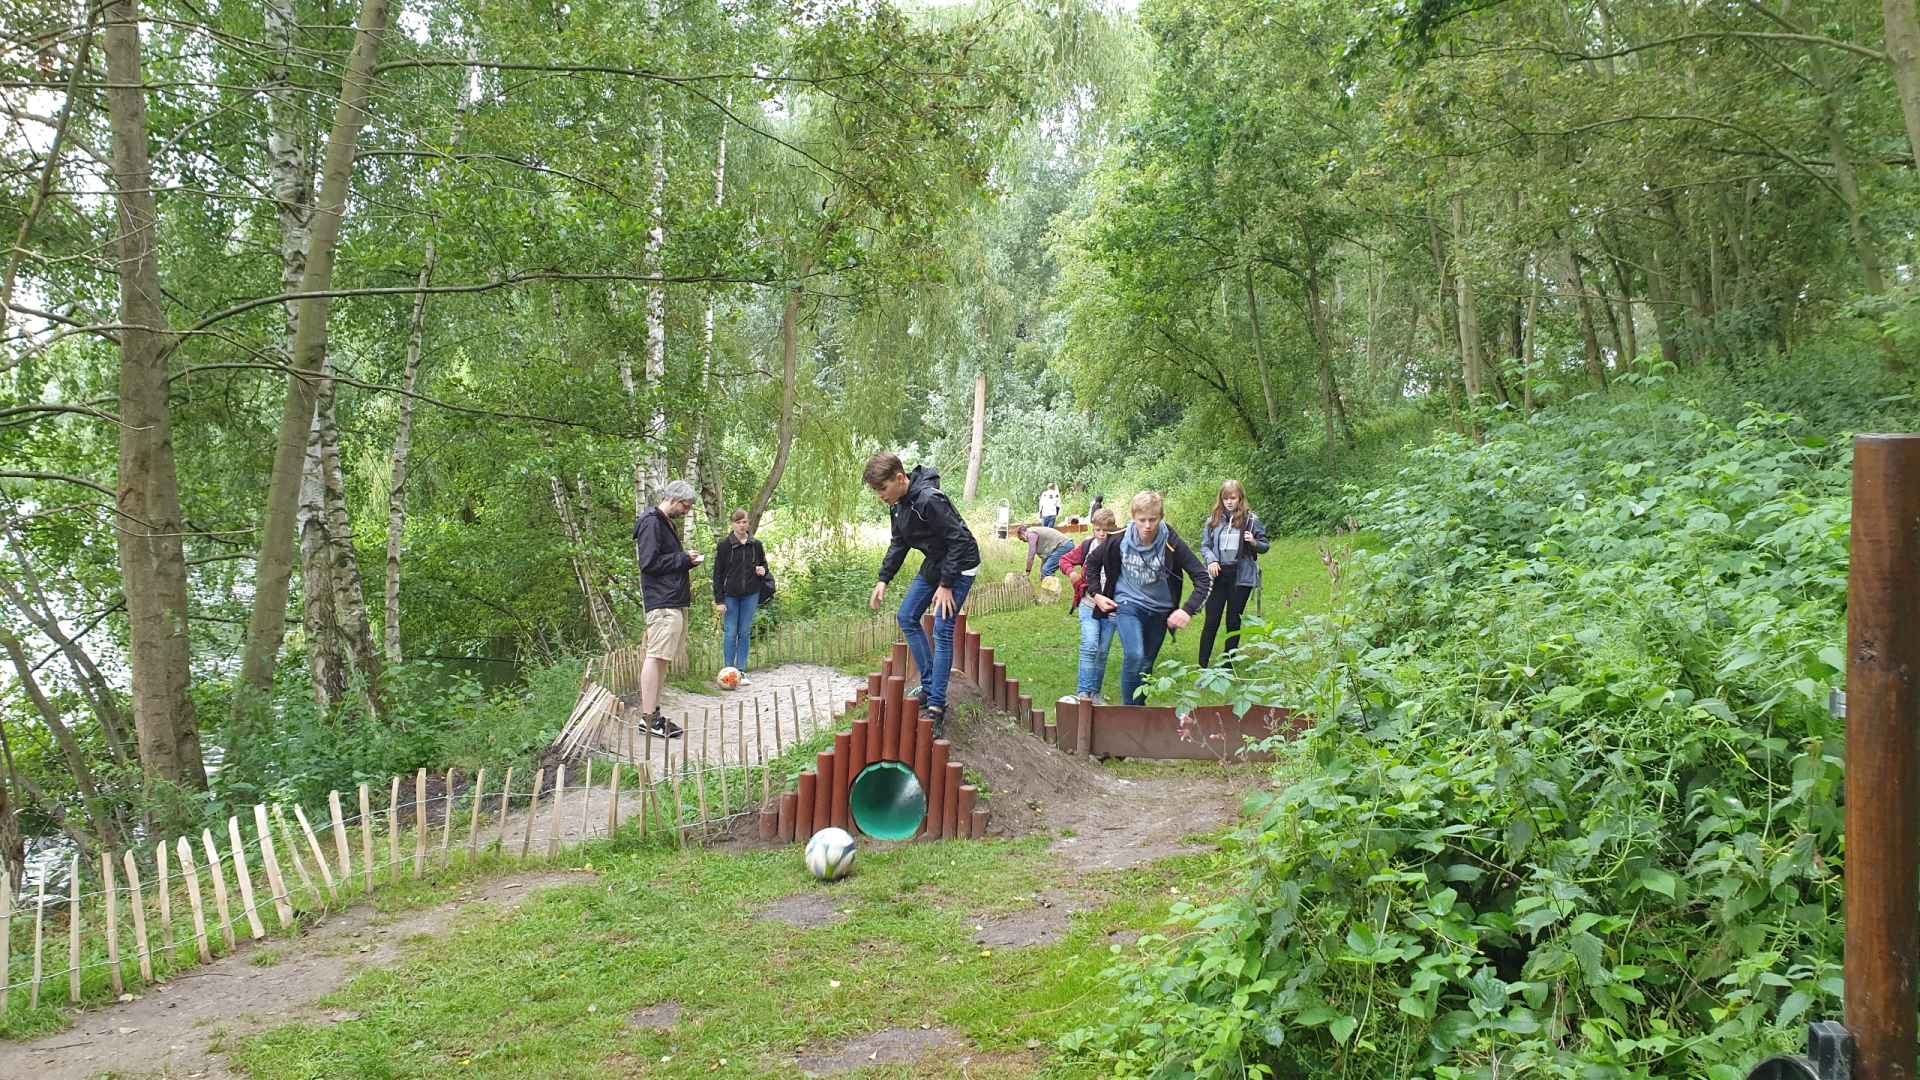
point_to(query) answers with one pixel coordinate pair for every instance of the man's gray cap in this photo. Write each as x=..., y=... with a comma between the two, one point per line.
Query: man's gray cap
x=679, y=491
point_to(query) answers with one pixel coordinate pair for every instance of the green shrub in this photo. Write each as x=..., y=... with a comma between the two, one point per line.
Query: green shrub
x=1571, y=806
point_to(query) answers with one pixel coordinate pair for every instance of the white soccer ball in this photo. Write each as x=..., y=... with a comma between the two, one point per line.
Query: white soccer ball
x=830, y=855
x=729, y=677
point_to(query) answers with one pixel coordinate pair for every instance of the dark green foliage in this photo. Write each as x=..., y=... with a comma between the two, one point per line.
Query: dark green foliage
x=1570, y=810
x=437, y=717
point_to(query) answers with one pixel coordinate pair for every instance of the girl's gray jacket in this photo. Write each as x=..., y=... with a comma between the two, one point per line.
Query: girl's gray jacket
x=1246, y=569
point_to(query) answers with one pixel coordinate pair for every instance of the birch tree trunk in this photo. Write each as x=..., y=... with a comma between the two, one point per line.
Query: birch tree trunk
x=650, y=474
x=402, y=450
x=153, y=563
x=1526, y=340
x=325, y=664
x=977, y=453
x=705, y=463
x=1470, y=365
x=266, y=629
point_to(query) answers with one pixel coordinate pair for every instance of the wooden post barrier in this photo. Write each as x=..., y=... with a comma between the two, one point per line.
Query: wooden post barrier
x=842, y=776
x=192, y=875
x=366, y=839
x=1882, y=954
x=950, y=798
x=113, y=926
x=393, y=832
x=533, y=811
x=893, y=715
x=293, y=852
x=586, y=802
x=937, y=772
x=420, y=823
x=506, y=792
x=319, y=856
x=473, y=813
x=923, y=754
x=984, y=677
x=245, y=877
x=803, y=808
x=39, y=936
x=784, y=820
x=446, y=823
x=822, y=790
x=220, y=904
x=558, y=804
x=341, y=848
x=139, y=921
x=73, y=923
x=282, y=903
x=163, y=888
x=969, y=797
x=6, y=939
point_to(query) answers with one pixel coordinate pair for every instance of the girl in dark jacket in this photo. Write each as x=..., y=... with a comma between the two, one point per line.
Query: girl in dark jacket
x=1140, y=590
x=1231, y=548
x=739, y=568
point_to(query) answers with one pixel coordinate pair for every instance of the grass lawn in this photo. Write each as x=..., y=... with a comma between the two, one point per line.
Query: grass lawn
x=547, y=991
x=1041, y=646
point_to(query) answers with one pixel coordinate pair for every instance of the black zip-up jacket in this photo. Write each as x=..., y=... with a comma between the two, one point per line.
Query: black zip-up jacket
x=926, y=521
x=664, y=581
x=733, y=564
x=1181, y=563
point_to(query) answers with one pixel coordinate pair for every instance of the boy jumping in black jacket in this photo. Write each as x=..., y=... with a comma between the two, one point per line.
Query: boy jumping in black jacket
x=925, y=520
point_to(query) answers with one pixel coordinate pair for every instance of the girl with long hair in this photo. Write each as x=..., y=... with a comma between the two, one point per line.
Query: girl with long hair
x=1231, y=546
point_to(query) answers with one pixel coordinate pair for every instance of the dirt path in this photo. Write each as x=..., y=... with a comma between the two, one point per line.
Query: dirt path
x=170, y=1029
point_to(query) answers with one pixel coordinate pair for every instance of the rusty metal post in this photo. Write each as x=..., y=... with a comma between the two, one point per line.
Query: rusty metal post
x=959, y=641
x=1000, y=701
x=902, y=660
x=1083, y=733
x=788, y=804
x=983, y=675
x=858, y=750
x=1883, y=756
x=968, y=796
x=876, y=698
x=923, y=756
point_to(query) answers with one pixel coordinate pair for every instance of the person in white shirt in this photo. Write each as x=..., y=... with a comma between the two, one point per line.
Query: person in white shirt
x=1050, y=505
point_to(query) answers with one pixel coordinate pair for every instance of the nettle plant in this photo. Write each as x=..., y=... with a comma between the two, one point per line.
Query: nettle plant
x=1570, y=808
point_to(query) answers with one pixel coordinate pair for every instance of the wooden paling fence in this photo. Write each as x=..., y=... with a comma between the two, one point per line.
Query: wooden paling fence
x=131, y=919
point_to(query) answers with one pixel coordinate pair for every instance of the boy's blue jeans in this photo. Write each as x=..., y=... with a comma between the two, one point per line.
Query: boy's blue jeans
x=1141, y=632
x=935, y=658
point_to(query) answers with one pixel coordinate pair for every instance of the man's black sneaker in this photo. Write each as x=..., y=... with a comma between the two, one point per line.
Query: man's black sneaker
x=939, y=717
x=662, y=727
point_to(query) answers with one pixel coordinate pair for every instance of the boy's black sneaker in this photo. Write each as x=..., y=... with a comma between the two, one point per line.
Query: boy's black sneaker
x=662, y=727
x=939, y=717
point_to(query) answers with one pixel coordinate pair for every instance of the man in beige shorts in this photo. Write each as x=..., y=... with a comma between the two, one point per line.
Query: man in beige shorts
x=667, y=592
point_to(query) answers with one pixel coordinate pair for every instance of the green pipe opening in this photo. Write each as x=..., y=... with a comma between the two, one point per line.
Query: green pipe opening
x=887, y=801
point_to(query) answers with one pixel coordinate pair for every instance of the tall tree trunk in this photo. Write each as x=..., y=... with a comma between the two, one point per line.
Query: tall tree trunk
x=977, y=453
x=789, y=386
x=153, y=566
x=1470, y=366
x=1844, y=177
x=402, y=450
x=1661, y=301
x=1260, y=347
x=1903, y=52
x=705, y=462
x=1335, y=409
x=327, y=663
x=268, y=624
x=1526, y=343
x=1596, y=363
x=354, y=626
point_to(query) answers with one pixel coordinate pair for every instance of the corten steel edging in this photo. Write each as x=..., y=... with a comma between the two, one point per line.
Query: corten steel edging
x=1013, y=697
x=902, y=660
x=803, y=826
x=842, y=776
x=1146, y=731
x=907, y=730
x=959, y=639
x=770, y=821
x=1883, y=757
x=984, y=675
x=981, y=817
x=969, y=796
x=1066, y=720
x=936, y=825
x=876, y=694
x=1000, y=686
x=1083, y=726
x=973, y=656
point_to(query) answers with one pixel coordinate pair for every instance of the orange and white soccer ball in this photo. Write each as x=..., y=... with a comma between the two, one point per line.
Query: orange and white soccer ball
x=729, y=677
